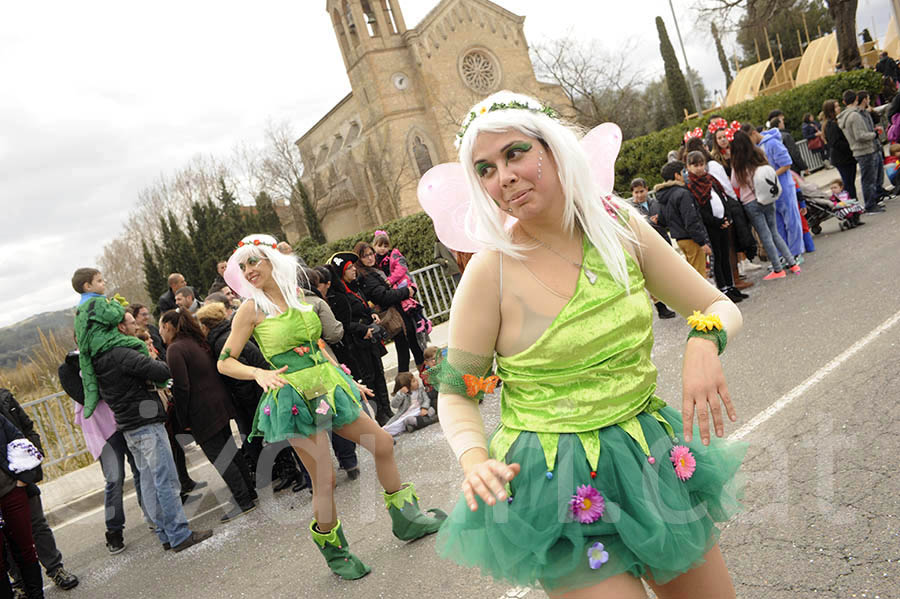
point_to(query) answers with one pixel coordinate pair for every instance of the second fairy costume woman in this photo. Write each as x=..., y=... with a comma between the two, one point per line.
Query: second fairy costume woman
x=590, y=482
x=307, y=394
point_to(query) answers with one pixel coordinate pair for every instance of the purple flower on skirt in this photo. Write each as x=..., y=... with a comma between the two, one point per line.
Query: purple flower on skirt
x=267, y=410
x=597, y=556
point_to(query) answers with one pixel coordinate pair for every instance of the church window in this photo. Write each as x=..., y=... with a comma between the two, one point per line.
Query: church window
x=371, y=21
x=479, y=71
x=353, y=133
x=422, y=155
x=336, y=145
x=351, y=26
x=389, y=11
x=323, y=155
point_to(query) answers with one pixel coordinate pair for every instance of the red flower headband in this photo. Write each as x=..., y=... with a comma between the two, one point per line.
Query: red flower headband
x=254, y=242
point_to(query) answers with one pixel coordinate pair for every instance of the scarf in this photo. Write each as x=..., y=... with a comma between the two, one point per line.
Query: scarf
x=348, y=290
x=700, y=186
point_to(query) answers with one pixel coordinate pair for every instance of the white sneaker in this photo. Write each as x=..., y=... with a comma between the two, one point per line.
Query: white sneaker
x=747, y=265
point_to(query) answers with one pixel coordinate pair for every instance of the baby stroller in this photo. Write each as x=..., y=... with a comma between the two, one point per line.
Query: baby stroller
x=819, y=208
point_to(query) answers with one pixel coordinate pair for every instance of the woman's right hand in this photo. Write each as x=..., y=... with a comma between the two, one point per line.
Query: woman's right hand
x=487, y=479
x=270, y=379
x=368, y=334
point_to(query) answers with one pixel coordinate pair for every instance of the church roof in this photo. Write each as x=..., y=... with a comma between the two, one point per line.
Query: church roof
x=324, y=118
x=440, y=6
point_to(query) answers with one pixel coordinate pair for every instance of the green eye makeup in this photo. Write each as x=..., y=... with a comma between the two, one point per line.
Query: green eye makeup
x=251, y=261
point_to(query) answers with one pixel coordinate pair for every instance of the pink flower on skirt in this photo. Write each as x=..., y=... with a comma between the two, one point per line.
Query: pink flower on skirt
x=587, y=504
x=294, y=410
x=346, y=370
x=684, y=462
x=267, y=410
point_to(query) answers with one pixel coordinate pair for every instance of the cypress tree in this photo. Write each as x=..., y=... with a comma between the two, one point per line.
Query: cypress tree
x=723, y=61
x=154, y=281
x=678, y=89
x=267, y=220
x=309, y=216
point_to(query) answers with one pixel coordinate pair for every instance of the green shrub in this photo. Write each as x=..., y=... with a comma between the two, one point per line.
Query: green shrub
x=644, y=156
x=413, y=235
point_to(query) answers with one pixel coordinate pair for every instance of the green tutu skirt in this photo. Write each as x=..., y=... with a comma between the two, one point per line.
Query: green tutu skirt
x=653, y=522
x=284, y=413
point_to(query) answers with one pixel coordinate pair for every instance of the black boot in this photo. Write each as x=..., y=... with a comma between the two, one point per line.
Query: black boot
x=34, y=582
x=663, y=311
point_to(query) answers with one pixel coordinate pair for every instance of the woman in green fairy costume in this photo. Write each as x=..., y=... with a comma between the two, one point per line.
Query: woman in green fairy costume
x=306, y=394
x=590, y=482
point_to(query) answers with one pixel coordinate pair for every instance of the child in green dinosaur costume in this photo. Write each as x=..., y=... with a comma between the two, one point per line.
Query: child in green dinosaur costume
x=96, y=329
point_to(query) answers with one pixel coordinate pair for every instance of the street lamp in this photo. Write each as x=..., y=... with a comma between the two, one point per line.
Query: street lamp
x=687, y=69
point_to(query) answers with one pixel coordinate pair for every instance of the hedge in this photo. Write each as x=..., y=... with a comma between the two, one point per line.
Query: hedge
x=413, y=235
x=644, y=156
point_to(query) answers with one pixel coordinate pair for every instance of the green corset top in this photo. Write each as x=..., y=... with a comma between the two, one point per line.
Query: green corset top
x=590, y=369
x=291, y=339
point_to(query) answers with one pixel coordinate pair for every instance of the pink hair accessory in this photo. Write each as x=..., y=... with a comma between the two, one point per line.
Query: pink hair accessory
x=380, y=232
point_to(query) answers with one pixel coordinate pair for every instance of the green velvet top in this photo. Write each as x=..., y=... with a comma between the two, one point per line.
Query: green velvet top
x=291, y=339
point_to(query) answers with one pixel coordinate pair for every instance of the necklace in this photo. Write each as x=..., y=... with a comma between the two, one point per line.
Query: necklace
x=591, y=275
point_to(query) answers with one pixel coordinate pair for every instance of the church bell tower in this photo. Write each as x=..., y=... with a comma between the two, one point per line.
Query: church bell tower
x=366, y=26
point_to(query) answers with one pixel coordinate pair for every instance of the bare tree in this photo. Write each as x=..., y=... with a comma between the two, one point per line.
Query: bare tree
x=390, y=170
x=601, y=85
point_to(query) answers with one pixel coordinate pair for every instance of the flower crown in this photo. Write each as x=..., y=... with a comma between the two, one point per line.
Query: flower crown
x=511, y=105
x=242, y=243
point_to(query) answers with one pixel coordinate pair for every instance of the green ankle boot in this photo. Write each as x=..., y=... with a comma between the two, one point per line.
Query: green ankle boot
x=335, y=550
x=408, y=520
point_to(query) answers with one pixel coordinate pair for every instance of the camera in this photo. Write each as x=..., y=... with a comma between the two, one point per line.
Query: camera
x=379, y=335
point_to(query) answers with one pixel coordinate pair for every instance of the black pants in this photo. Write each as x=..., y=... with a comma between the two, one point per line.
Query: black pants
x=718, y=239
x=405, y=343
x=174, y=428
x=44, y=542
x=848, y=177
x=371, y=371
x=344, y=451
x=251, y=449
x=234, y=472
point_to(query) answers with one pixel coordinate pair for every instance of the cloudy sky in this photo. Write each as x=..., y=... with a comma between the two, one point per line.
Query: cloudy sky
x=99, y=98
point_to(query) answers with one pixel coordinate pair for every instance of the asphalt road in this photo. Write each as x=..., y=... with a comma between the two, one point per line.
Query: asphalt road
x=821, y=517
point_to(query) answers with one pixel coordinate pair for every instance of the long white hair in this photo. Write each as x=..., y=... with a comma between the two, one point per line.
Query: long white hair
x=284, y=272
x=583, y=201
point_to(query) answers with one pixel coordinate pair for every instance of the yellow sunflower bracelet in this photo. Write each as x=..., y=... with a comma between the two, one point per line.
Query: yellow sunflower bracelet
x=708, y=326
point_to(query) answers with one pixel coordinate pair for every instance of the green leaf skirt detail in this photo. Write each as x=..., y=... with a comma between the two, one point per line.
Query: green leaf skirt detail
x=654, y=523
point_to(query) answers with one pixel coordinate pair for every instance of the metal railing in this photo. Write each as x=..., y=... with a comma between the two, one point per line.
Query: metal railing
x=435, y=290
x=813, y=159
x=54, y=419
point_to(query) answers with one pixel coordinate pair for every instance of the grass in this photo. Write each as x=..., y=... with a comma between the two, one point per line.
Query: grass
x=54, y=419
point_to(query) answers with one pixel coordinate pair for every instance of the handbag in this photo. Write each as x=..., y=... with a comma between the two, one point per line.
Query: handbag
x=392, y=322
x=815, y=143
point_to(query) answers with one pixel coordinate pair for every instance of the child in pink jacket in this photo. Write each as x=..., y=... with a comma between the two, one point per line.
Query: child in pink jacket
x=393, y=264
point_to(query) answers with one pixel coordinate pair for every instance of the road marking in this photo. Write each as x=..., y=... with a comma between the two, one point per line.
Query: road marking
x=814, y=379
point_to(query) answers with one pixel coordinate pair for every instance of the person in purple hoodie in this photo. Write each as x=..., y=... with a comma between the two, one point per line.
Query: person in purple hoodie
x=787, y=214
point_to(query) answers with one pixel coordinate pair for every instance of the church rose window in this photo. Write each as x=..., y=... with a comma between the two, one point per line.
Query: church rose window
x=479, y=71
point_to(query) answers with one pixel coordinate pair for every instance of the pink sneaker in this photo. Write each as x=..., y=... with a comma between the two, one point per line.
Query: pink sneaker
x=776, y=275
x=795, y=269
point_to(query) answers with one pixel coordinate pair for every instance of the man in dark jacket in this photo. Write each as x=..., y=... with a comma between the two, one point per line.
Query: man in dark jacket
x=682, y=216
x=123, y=374
x=167, y=300
x=44, y=543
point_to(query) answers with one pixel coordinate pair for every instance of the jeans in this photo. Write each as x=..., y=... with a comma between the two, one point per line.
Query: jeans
x=869, y=169
x=763, y=220
x=112, y=462
x=848, y=177
x=149, y=445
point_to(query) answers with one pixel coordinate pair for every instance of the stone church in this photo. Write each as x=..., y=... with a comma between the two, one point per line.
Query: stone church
x=410, y=89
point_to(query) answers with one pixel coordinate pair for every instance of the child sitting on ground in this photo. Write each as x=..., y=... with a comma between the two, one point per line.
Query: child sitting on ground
x=431, y=354
x=845, y=207
x=96, y=329
x=411, y=405
x=392, y=262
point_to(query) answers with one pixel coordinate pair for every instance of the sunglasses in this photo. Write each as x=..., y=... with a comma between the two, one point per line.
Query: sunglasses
x=251, y=261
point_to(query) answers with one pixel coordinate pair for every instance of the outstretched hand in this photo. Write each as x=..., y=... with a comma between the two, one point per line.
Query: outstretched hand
x=365, y=391
x=703, y=388
x=488, y=480
x=270, y=379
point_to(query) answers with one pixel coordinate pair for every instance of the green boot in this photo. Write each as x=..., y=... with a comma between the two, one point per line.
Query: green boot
x=409, y=521
x=335, y=550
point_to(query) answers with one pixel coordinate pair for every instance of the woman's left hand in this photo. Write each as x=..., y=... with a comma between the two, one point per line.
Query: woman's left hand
x=365, y=391
x=703, y=388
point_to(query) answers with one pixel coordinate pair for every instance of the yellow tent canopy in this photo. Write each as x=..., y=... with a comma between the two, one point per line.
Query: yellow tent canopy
x=747, y=83
x=892, y=40
x=818, y=60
